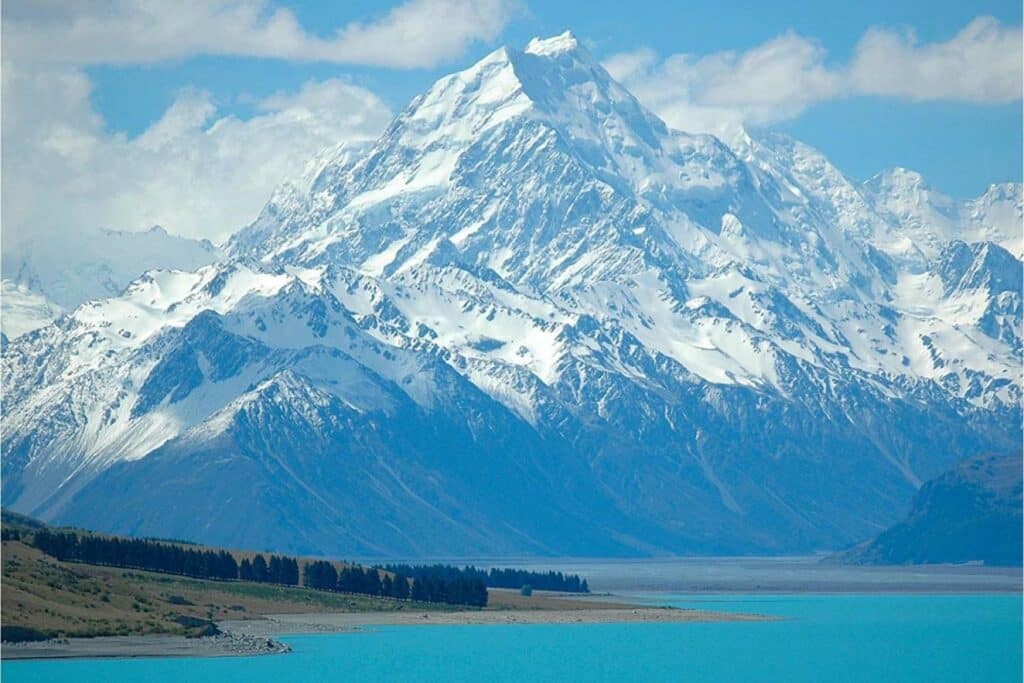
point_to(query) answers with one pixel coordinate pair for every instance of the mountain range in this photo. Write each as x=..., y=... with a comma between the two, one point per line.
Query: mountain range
x=530, y=318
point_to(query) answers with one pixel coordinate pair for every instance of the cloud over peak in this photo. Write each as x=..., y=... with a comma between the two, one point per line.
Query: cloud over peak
x=779, y=79
x=197, y=172
x=982, y=63
x=193, y=170
x=416, y=34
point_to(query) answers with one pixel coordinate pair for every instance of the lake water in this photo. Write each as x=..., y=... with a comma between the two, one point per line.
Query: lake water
x=823, y=638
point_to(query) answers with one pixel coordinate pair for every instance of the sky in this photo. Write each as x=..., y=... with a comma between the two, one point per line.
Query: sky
x=128, y=113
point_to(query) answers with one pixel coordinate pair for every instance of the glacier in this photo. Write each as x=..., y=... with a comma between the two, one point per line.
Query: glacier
x=531, y=318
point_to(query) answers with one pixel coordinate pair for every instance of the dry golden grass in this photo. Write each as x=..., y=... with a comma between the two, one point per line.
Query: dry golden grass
x=71, y=599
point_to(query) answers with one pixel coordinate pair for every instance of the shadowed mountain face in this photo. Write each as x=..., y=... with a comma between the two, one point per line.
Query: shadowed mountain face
x=970, y=514
x=531, y=318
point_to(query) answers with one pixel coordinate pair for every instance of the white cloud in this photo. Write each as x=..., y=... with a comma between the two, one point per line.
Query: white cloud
x=193, y=171
x=982, y=63
x=779, y=79
x=418, y=33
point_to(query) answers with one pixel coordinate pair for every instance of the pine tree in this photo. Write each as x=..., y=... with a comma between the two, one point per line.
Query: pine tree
x=372, y=582
x=400, y=587
x=259, y=569
x=292, y=572
x=245, y=570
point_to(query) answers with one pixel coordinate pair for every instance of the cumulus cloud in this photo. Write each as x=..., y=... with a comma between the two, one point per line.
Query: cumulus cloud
x=982, y=63
x=418, y=33
x=194, y=171
x=779, y=79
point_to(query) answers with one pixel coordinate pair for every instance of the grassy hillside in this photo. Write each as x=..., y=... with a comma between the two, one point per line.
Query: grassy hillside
x=44, y=596
x=71, y=599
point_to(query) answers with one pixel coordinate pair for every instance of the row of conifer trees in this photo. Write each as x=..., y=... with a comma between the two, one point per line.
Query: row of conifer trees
x=280, y=569
x=137, y=553
x=170, y=558
x=495, y=577
x=351, y=579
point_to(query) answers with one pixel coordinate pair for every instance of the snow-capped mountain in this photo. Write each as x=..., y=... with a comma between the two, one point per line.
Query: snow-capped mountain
x=928, y=219
x=532, y=318
x=24, y=310
x=44, y=276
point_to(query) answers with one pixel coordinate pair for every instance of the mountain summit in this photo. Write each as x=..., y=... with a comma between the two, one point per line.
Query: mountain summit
x=531, y=318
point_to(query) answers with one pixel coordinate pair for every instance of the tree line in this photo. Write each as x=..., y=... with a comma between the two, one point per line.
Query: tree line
x=454, y=590
x=495, y=578
x=280, y=569
x=169, y=558
x=545, y=581
x=137, y=554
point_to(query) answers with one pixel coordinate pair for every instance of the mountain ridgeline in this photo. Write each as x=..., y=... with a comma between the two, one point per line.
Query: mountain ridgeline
x=971, y=513
x=532, y=319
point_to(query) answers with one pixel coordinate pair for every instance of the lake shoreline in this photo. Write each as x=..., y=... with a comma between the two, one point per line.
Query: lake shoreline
x=257, y=637
x=817, y=637
x=259, y=634
x=227, y=644
x=342, y=622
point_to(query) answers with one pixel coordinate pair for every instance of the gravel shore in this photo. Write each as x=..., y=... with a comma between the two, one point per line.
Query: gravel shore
x=228, y=644
x=276, y=624
x=257, y=636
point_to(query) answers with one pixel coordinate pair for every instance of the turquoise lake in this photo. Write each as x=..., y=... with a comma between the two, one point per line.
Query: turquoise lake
x=823, y=638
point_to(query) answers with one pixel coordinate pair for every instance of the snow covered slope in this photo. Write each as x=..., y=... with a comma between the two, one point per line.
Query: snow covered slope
x=24, y=310
x=532, y=318
x=930, y=219
x=43, y=276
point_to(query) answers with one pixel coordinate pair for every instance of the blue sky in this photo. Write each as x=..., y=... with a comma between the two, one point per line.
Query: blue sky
x=694, y=63
x=960, y=147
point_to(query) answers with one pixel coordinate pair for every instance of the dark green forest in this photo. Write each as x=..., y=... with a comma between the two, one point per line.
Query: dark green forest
x=278, y=569
x=495, y=578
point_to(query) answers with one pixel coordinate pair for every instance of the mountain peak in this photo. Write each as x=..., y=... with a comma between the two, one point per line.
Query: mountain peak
x=560, y=44
x=1000, y=192
x=898, y=178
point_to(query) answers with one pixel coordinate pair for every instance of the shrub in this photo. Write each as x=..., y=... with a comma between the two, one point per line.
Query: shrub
x=21, y=634
x=209, y=629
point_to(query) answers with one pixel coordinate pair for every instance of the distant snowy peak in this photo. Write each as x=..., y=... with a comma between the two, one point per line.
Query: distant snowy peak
x=904, y=182
x=24, y=310
x=90, y=265
x=998, y=216
x=930, y=219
